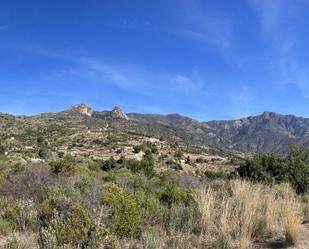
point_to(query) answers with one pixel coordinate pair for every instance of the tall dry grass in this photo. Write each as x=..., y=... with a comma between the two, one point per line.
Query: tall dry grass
x=248, y=211
x=206, y=200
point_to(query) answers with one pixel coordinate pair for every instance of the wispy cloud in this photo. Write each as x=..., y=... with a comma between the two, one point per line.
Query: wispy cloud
x=141, y=80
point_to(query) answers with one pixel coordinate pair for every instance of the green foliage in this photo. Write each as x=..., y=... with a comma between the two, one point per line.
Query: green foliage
x=145, y=147
x=298, y=170
x=62, y=167
x=5, y=227
x=126, y=214
x=75, y=229
x=43, y=153
x=10, y=214
x=274, y=169
x=170, y=194
x=93, y=166
x=86, y=176
x=109, y=164
x=146, y=165
x=213, y=175
x=267, y=168
x=59, y=200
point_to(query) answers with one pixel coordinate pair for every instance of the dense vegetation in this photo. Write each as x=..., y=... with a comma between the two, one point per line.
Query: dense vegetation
x=275, y=169
x=125, y=203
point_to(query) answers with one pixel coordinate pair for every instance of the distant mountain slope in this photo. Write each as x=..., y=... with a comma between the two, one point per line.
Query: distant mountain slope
x=268, y=133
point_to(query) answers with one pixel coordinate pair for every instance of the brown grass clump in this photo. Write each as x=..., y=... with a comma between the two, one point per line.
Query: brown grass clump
x=205, y=198
x=291, y=222
x=249, y=211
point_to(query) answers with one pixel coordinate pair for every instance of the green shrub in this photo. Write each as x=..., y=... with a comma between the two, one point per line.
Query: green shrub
x=11, y=214
x=275, y=169
x=62, y=167
x=126, y=213
x=93, y=166
x=213, y=175
x=59, y=200
x=79, y=225
x=5, y=227
x=172, y=194
x=146, y=165
x=76, y=229
x=298, y=168
x=265, y=168
x=146, y=147
x=86, y=176
x=109, y=164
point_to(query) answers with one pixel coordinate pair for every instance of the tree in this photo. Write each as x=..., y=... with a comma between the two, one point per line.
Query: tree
x=298, y=170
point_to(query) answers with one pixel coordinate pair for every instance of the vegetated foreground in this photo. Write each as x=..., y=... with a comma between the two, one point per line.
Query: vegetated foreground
x=68, y=182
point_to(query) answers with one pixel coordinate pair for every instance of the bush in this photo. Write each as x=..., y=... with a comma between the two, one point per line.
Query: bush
x=59, y=200
x=76, y=229
x=109, y=164
x=146, y=147
x=62, y=167
x=213, y=175
x=32, y=182
x=126, y=213
x=172, y=194
x=274, y=169
x=146, y=165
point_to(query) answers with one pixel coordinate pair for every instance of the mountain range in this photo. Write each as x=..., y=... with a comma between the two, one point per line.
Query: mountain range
x=267, y=133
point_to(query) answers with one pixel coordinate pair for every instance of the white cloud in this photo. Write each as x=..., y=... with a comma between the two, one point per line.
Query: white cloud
x=140, y=80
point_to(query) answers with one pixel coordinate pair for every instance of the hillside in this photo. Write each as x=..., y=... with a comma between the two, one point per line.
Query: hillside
x=81, y=178
x=266, y=133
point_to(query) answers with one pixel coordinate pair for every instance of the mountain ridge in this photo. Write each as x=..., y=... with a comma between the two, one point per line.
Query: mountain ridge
x=269, y=132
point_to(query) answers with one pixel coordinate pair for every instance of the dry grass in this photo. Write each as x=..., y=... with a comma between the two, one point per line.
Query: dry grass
x=206, y=199
x=291, y=221
x=249, y=211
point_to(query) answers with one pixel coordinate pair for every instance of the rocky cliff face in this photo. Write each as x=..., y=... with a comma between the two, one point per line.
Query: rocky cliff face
x=82, y=109
x=118, y=114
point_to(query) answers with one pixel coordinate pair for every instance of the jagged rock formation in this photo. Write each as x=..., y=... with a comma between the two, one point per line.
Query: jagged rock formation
x=82, y=109
x=118, y=114
x=115, y=114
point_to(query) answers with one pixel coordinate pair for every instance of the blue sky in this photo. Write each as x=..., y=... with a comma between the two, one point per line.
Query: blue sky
x=207, y=59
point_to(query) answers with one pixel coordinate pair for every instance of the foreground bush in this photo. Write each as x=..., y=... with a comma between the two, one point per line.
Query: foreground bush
x=126, y=213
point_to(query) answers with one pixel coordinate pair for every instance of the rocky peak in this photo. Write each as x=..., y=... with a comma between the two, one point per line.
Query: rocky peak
x=82, y=109
x=118, y=114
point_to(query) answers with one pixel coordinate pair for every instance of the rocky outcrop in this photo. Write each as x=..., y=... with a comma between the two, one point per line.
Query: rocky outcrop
x=117, y=113
x=82, y=109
